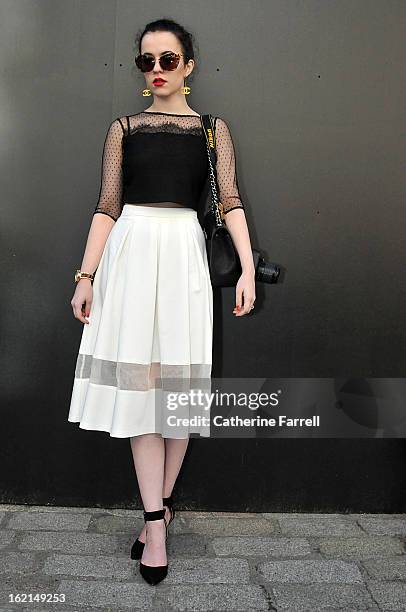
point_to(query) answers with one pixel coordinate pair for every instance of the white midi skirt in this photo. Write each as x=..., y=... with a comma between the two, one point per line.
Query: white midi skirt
x=145, y=358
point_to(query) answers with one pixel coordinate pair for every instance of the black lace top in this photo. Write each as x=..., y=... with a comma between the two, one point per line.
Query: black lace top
x=161, y=158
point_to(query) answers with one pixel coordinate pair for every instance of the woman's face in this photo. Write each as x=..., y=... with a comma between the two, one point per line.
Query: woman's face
x=157, y=43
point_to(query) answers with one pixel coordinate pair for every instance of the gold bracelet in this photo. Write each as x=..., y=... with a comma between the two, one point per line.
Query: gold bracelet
x=79, y=274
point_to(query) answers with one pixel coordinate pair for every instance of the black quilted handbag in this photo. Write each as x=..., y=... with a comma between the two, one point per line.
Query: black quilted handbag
x=223, y=258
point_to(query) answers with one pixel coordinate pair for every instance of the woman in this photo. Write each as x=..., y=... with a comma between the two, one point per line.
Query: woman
x=148, y=315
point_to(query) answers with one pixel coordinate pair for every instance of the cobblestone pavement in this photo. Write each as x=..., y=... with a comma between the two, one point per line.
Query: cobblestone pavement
x=217, y=561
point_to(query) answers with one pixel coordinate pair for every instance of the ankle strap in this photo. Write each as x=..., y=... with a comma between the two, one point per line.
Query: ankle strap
x=154, y=515
x=167, y=501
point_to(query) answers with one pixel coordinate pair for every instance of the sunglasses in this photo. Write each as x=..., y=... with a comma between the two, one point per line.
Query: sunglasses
x=168, y=61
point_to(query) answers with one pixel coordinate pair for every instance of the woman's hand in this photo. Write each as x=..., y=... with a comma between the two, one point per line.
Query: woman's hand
x=245, y=287
x=82, y=300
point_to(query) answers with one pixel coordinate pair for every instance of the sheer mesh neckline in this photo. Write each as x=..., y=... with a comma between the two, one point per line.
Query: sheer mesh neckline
x=163, y=113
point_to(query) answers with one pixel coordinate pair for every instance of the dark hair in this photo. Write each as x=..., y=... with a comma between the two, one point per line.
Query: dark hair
x=168, y=25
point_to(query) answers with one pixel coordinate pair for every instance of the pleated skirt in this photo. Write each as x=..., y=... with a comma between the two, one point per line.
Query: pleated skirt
x=145, y=358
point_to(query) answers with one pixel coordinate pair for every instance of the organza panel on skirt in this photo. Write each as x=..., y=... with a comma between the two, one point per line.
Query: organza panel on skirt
x=145, y=358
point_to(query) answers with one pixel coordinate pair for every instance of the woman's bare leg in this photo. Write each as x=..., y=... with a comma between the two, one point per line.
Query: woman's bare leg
x=149, y=461
x=175, y=451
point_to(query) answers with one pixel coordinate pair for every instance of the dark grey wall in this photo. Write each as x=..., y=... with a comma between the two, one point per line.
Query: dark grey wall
x=314, y=95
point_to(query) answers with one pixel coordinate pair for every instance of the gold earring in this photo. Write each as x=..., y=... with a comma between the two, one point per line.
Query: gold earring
x=185, y=89
x=146, y=92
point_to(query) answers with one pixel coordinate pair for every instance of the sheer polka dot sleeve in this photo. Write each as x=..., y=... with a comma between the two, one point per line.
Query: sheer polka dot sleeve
x=229, y=194
x=110, y=195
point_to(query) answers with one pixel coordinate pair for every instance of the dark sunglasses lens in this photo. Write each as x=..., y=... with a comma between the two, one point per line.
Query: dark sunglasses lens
x=169, y=62
x=145, y=63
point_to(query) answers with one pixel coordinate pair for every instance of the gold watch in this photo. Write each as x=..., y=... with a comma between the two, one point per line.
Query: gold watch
x=79, y=274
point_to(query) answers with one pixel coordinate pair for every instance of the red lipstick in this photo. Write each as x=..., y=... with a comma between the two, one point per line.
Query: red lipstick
x=158, y=81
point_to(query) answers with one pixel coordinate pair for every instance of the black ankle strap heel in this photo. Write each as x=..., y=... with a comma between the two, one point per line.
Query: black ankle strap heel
x=168, y=501
x=138, y=546
x=156, y=515
x=154, y=574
